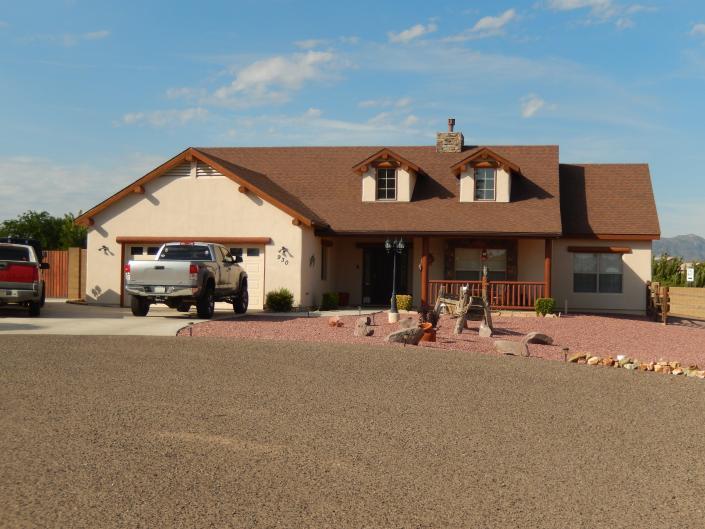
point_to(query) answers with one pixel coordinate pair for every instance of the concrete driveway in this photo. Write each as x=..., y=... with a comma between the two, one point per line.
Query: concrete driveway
x=59, y=317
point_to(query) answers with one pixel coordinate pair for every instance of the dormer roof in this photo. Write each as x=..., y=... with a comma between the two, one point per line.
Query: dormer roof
x=484, y=155
x=385, y=155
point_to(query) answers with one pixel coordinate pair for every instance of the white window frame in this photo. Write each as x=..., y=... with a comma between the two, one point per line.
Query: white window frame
x=599, y=273
x=477, y=189
x=386, y=188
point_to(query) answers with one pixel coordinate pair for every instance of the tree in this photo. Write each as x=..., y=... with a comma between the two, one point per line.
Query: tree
x=54, y=233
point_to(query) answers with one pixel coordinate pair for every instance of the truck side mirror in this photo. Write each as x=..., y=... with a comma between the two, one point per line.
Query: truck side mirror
x=238, y=258
x=44, y=266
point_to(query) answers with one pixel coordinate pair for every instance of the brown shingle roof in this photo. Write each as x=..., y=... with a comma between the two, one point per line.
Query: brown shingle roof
x=602, y=199
x=322, y=180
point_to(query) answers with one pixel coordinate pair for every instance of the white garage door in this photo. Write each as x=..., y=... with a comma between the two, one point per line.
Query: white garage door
x=253, y=263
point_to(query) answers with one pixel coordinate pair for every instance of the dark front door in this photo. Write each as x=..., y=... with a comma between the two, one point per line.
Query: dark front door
x=377, y=275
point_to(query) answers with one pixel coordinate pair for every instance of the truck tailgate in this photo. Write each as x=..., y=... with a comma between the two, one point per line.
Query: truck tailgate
x=17, y=272
x=167, y=273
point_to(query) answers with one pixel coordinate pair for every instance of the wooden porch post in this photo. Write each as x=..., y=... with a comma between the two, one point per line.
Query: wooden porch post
x=424, y=271
x=547, y=268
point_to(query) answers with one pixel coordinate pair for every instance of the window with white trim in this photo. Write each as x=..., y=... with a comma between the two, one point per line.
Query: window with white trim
x=597, y=273
x=386, y=184
x=485, y=183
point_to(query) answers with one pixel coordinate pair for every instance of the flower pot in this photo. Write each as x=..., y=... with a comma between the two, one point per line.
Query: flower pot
x=429, y=333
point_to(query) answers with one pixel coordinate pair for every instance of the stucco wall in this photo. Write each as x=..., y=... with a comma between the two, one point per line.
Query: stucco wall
x=405, y=185
x=503, y=185
x=636, y=271
x=189, y=206
x=312, y=286
x=530, y=259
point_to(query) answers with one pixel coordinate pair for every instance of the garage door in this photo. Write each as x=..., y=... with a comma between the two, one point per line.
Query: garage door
x=139, y=252
x=253, y=263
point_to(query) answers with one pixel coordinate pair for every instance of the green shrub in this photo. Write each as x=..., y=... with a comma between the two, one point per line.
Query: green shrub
x=329, y=301
x=280, y=300
x=404, y=301
x=545, y=306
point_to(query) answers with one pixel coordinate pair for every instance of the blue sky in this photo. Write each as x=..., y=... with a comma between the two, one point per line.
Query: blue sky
x=95, y=94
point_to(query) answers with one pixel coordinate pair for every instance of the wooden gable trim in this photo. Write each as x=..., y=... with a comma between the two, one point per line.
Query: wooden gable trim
x=483, y=156
x=385, y=154
x=86, y=219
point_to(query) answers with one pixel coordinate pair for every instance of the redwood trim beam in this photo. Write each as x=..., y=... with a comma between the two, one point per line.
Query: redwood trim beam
x=424, y=271
x=548, y=254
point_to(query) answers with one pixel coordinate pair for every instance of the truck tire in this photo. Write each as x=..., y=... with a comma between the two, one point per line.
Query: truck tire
x=205, y=305
x=44, y=294
x=35, y=307
x=241, y=300
x=183, y=307
x=139, y=306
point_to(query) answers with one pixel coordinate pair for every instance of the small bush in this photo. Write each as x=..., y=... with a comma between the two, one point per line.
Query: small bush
x=404, y=301
x=280, y=300
x=545, y=306
x=329, y=301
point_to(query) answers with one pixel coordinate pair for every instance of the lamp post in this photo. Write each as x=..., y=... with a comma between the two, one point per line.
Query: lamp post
x=394, y=247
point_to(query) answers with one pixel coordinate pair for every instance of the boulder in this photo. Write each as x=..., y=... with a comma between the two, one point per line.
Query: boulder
x=509, y=347
x=406, y=336
x=577, y=356
x=593, y=360
x=540, y=338
x=658, y=368
x=609, y=361
x=677, y=370
x=674, y=365
x=335, y=321
x=362, y=327
x=623, y=361
x=630, y=367
x=407, y=323
x=485, y=330
x=550, y=316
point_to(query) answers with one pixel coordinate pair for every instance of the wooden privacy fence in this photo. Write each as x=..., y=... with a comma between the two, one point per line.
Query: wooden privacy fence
x=681, y=302
x=66, y=277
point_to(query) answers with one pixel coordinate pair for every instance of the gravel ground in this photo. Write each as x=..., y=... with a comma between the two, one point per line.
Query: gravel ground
x=164, y=432
x=599, y=335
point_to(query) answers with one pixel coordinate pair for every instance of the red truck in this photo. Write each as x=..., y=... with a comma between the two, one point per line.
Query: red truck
x=21, y=268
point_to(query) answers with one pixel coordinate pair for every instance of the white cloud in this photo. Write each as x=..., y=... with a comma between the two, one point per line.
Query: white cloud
x=272, y=80
x=68, y=39
x=410, y=120
x=698, y=30
x=530, y=105
x=602, y=10
x=402, y=102
x=164, y=118
x=308, y=44
x=414, y=32
x=488, y=26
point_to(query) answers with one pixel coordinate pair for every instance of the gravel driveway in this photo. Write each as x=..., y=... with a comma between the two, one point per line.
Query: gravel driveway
x=168, y=432
x=598, y=335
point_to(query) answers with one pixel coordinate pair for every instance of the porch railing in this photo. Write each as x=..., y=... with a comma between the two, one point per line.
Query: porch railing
x=502, y=294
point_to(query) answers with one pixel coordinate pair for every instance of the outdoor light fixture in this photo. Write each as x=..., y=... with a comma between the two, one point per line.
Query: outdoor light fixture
x=394, y=247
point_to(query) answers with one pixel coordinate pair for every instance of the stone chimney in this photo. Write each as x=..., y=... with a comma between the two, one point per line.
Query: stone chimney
x=449, y=141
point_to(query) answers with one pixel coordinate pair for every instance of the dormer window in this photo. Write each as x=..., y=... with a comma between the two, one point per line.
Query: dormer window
x=386, y=183
x=485, y=183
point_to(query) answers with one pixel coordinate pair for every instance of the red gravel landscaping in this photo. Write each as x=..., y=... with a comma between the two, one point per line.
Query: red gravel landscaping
x=598, y=335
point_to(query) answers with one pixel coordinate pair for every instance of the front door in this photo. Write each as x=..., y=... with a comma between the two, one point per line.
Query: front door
x=377, y=267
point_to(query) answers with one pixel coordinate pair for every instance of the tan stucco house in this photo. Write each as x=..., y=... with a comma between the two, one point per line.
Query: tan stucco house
x=314, y=220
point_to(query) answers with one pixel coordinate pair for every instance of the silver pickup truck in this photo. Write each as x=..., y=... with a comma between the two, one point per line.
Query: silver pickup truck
x=21, y=281
x=186, y=274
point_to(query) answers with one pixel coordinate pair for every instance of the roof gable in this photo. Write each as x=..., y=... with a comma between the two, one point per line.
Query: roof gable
x=484, y=154
x=385, y=155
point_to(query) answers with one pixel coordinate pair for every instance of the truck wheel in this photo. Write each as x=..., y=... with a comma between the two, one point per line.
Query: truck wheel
x=35, y=307
x=241, y=300
x=139, y=306
x=205, y=305
x=183, y=307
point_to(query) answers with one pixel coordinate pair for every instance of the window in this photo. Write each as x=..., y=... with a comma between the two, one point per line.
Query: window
x=468, y=264
x=136, y=250
x=186, y=252
x=253, y=252
x=597, y=272
x=152, y=250
x=485, y=183
x=386, y=184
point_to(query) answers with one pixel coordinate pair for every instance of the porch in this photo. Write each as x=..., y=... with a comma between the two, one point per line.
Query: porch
x=519, y=269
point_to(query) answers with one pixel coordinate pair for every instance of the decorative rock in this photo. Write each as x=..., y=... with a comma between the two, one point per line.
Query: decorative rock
x=334, y=321
x=406, y=336
x=677, y=370
x=582, y=361
x=630, y=367
x=658, y=368
x=550, y=316
x=674, y=365
x=485, y=331
x=666, y=370
x=407, y=323
x=509, y=347
x=593, y=360
x=576, y=357
x=623, y=361
x=609, y=361
x=537, y=337
x=362, y=327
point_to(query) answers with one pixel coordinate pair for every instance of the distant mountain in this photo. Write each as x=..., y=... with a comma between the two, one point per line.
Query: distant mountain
x=689, y=247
